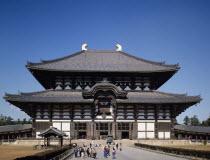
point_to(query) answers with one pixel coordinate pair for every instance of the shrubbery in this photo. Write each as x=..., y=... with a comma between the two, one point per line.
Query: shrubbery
x=179, y=151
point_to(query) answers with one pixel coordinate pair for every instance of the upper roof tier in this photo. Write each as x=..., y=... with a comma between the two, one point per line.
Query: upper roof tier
x=102, y=61
x=60, y=96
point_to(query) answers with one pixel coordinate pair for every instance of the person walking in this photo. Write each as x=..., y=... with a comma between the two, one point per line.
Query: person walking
x=88, y=152
x=117, y=146
x=120, y=146
x=75, y=151
x=105, y=152
x=94, y=153
x=82, y=153
x=113, y=153
x=108, y=150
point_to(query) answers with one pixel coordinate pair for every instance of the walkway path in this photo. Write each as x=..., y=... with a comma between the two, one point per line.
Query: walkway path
x=130, y=153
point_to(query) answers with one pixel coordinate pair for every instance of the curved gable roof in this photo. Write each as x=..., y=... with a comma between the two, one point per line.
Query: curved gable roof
x=103, y=61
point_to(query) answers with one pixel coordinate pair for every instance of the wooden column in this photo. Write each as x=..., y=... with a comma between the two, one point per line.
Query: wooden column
x=50, y=114
x=185, y=135
x=114, y=130
x=156, y=120
x=72, y=130
x=173, y=116
x=109, y=128
x=130, y=131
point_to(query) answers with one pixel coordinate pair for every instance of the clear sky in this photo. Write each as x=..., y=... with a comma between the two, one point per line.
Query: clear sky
x=175, y=31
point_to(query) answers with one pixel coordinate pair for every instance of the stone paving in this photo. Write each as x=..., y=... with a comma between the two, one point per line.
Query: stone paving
x=130, y=153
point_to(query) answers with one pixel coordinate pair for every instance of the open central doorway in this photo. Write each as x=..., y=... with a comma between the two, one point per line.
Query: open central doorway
x=125, y=135
x=103, y=135
x=82, y=135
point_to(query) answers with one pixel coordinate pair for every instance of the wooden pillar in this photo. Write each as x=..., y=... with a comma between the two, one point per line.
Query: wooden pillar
x=51, y=114
x=8, y=137
x=114, y=130
x=173, y=119
x=196, y=137
x=156, y=121
x=130, y=131
x=185, y=135
x=206, y=137
x=72, y=130
x=99, y=130
x=109, y=128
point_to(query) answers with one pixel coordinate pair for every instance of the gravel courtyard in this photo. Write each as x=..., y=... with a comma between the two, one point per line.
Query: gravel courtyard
x=130, y=153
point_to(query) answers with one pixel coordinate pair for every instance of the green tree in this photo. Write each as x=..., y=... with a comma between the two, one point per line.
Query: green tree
x=186, y=120
x=206, y=122
x=9, y=120
x=24, y=121
x=194, y=121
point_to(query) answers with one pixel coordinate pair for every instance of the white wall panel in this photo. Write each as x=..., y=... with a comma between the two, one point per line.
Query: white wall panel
x=150, y=135
x=141, y=126
x=161, y=135
x=167, y=135
x=57, y=125
x=65, y=126
x=150, y=126
x=141, y=135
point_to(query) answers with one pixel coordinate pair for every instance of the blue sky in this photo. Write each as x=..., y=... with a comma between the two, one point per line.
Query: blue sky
x=175, y=31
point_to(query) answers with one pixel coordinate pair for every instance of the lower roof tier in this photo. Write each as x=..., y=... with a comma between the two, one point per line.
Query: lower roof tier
x=69, y=96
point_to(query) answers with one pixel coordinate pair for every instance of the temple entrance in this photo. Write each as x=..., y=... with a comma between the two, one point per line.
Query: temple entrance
x=125, y=135
x=103, y=135
x=82, y=135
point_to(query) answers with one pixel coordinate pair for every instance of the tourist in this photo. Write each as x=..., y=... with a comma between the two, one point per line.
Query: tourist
x=94, y=153
x=120, y=146
x=82, y=153
x=80, y=149
x=117, y=146
x=113, y=153
x=105, y=152
x=75, y=152
x=88, y=152
x=108, y=150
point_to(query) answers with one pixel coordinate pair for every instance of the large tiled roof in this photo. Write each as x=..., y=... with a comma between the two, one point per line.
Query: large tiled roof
x=198, y=129
x=67, y=96
x=14, y=128
x=103, y=61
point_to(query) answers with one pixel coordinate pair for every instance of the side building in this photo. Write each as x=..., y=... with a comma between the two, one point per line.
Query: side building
x=94, y=93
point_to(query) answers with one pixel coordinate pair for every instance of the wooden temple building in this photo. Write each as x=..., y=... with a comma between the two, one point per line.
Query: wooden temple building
x=93, y=93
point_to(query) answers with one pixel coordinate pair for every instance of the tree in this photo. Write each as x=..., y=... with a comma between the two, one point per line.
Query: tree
x=194, y=121
x=186, y=120
x=206, y=122
x=24, y=121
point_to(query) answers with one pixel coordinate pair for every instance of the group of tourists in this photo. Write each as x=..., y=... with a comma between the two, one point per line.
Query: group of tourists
x=107, y=152
x=85, y=152
x=91, y=151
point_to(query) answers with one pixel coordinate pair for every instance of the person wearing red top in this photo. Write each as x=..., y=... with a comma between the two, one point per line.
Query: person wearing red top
x=105, y=152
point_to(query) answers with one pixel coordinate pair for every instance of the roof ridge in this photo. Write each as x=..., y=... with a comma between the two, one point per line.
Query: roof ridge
x=38, y=92
x=53, y=60
x=145, y=60
x=174, y=94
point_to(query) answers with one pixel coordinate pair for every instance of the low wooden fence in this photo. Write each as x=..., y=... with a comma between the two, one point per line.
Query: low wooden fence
x=177, y=151
x=56, y=154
